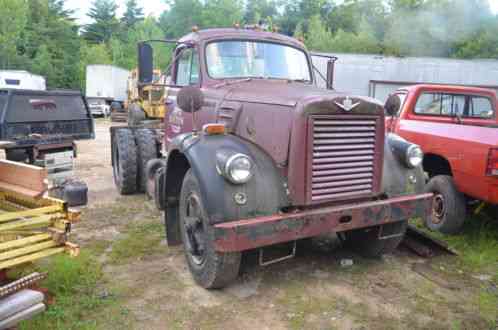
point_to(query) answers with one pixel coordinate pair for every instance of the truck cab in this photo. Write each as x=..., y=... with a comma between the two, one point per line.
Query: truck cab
x=255, y=155
x=457, y=128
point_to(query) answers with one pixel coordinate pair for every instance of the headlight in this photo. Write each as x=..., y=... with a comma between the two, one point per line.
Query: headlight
x=414, y=156
x=237, y=168
x=408, y=153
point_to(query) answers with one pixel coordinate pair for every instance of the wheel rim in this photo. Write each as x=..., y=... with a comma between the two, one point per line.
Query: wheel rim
x=438, y=208
x=194, y=229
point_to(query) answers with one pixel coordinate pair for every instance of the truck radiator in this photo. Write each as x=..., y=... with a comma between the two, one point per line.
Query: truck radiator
x=345, y=158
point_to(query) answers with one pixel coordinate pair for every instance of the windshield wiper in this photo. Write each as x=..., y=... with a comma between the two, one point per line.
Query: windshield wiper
x=304, y=81
x=228, y=82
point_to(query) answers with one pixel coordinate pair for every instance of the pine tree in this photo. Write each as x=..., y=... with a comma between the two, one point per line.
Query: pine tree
x=132, y=15
x=103, y=13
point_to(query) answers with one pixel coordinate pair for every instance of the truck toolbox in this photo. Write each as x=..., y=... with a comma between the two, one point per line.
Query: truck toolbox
x=26, y=114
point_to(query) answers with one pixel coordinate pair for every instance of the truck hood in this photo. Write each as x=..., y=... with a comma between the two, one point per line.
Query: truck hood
x=278, y=92
x=270, y=112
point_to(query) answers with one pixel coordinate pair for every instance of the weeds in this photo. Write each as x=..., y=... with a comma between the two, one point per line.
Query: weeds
x=139, y=241
x=73, y=284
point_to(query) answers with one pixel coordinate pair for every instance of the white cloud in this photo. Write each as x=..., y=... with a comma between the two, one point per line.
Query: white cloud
x=81, y=8
x=494, y=6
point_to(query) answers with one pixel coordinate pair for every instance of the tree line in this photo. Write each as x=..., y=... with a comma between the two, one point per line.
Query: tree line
x=42, y=36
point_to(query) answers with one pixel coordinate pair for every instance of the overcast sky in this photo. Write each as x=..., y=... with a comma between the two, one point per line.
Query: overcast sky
x=81, y=7
x=151, y=7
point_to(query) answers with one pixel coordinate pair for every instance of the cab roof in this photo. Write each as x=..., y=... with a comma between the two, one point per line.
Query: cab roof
x=448, y=88
x=239, y=33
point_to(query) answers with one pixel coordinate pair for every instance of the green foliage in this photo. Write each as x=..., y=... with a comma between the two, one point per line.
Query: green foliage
x=132, y=15
x=105, y=23
x=12, y=23
x=41, y=35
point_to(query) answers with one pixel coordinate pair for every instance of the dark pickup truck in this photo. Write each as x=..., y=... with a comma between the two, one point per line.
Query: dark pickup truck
x=33, y=123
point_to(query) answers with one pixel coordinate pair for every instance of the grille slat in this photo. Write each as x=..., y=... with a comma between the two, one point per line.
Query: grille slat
x=343, y=141
x=317, y=174
x=343, y=162
x=341, y=177
x=344, y=147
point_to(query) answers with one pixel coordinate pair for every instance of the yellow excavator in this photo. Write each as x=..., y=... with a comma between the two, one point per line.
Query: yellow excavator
x=145, y=102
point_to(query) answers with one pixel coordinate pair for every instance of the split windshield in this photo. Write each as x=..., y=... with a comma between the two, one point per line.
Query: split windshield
x=246, y=59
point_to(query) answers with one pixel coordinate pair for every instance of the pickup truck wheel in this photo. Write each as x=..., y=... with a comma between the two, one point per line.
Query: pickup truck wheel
x=136, y=115
x=124, y=155
x=448, y=207
x=210, y=269
x=373, y=243
x=146, y=150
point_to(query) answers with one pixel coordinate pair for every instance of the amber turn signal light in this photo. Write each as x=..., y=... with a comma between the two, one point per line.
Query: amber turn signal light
x=214, y=129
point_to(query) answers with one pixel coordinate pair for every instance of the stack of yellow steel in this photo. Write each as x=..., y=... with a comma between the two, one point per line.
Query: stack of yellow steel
x=31, y=226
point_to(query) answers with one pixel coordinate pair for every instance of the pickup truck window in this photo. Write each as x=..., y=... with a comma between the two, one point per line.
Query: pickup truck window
x=480, y=107
x=441, y=104
x=241, y=59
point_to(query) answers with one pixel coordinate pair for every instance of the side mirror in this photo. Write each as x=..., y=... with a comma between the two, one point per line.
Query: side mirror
x=392, y=105
x=145, y=63
x=330, y=73
x=190, y=99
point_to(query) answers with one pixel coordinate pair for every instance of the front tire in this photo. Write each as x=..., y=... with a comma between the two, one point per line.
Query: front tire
x=209, y=268
x=448, y=206
x=367, y=242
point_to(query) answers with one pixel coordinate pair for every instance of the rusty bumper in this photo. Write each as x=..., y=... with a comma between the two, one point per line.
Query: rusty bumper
x=262, y=231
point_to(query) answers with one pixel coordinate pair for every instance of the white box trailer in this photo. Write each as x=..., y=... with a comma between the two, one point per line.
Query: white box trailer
x=20, y=79
x=105, y=84
x=378, y=76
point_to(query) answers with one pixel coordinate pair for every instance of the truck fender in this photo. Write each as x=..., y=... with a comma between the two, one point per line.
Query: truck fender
x=264, y=194
x=397, y=178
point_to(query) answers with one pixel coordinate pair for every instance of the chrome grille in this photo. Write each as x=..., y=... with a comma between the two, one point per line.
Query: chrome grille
x=343, y=162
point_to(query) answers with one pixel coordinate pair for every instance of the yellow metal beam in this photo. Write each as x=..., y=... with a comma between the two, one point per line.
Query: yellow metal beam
x=29, y=213
x=40, y=221
x=27, y=250
x=24, y=241
x=30, y=257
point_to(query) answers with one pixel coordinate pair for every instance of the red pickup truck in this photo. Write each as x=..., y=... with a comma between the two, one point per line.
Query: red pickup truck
x=457, y=128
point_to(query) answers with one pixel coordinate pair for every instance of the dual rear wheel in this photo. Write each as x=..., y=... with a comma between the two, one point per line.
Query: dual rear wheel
x=131, y=151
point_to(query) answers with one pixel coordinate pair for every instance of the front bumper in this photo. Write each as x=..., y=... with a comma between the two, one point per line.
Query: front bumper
x=257, y=232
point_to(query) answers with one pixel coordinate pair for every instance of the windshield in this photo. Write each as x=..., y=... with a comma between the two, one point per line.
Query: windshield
x=236, y=59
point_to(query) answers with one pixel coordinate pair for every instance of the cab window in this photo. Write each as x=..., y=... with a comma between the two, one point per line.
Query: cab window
x=466, y=106
x=187, y=71
x=480, y=107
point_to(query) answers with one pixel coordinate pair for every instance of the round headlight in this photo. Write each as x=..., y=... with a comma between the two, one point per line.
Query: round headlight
x=414, y=155
x=238, y=168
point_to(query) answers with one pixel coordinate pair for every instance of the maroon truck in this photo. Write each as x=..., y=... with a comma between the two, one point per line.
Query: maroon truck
x=257, y=155
x=457, y=128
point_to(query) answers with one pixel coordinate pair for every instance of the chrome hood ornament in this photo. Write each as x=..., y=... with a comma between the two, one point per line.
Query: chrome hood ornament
x=347, y=105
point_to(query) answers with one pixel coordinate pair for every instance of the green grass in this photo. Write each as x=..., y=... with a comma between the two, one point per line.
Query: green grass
x=477, y=245
x=140, y=240
x=73, y=282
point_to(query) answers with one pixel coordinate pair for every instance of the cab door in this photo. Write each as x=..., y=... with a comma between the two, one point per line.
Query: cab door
x=185, y=72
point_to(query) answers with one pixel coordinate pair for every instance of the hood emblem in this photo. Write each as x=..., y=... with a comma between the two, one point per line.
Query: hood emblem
x=347, y=104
